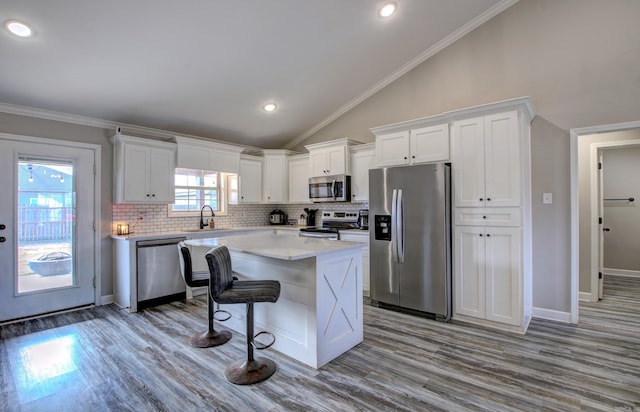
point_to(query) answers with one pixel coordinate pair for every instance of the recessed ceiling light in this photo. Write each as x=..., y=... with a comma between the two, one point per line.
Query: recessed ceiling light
x=18, y=28
x=269, y=107
x=388, y=9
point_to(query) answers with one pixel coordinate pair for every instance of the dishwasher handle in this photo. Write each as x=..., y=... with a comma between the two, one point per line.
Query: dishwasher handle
x=159, y=242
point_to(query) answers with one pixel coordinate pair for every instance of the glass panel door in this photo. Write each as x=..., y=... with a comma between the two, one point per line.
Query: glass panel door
x=47, y=227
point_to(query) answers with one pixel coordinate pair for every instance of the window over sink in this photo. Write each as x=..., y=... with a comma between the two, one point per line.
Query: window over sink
x=197, y=188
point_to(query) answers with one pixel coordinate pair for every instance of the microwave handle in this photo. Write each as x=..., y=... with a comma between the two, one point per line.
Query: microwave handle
x=333, y=189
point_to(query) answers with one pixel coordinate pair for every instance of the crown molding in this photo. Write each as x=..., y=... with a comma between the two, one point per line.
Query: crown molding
x=421, y=58
x=125, y=128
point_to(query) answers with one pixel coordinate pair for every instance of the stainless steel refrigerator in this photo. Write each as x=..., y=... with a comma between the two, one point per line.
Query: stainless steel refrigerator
x=410, y=238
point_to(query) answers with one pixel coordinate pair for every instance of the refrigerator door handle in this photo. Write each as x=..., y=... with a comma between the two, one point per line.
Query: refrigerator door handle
x=400, y=228
x=394, y=214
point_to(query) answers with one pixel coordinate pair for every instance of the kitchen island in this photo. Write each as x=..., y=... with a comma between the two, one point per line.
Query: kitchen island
x=318, y=316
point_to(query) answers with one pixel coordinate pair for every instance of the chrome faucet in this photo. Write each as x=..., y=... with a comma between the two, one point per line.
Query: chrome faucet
x=202, y=224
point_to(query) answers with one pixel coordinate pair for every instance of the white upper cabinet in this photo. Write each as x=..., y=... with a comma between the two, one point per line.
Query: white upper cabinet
x=362, y=160
x=486, y=153
x=250, y=179
x=275, y=176
x=413, y=146
x=330, y=158
x=143, y=170
x=299, y=178
x=203, y=155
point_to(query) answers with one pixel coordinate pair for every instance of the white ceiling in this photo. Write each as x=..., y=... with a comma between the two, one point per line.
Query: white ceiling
x=205, y=67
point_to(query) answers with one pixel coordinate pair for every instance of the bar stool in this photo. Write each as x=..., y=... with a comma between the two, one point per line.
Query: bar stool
x=226, y=290
x=211, y=337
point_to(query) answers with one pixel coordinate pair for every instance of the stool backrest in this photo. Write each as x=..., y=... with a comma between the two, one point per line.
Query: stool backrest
x=186, y=267
x=221, y=275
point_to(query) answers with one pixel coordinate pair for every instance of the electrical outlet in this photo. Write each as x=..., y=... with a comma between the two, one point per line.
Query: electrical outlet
x=140, y=216
x=547, y=198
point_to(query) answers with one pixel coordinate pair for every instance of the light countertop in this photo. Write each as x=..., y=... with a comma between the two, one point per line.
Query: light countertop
x=277, y=246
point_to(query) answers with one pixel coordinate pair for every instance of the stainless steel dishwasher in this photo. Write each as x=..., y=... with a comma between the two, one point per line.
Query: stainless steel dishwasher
x=158, y=270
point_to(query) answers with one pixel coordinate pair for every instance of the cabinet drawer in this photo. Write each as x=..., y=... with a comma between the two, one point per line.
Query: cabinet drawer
x=496, y=216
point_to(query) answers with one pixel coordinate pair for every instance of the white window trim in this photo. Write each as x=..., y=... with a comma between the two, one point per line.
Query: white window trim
x=222, y=193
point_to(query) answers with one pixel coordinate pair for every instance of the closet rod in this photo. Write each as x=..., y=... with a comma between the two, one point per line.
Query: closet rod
x=630, y=199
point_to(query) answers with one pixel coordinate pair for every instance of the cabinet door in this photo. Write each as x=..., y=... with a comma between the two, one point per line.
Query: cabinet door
x=468, y=162
x=503, y=275
x=298, y=180
x=429, y=144
x=274, y=179
x=469, y=271
x=250, y=181
x=162, y=176
x=336, y=160
x=136, y=173
x=361, y=163
x=502, y=159
x=392, y=149
x=318, y=162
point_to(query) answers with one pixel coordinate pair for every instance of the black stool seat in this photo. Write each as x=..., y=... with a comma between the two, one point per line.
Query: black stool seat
x=195, y=279
x=247, y=291
x=225, y=289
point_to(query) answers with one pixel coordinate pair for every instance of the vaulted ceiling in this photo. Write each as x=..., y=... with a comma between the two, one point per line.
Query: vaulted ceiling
x=206, y=67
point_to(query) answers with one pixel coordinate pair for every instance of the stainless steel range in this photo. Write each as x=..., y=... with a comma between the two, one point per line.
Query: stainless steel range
x=332, y=222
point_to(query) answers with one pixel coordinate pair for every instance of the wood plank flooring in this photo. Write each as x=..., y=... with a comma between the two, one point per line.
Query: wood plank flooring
x=104, y=359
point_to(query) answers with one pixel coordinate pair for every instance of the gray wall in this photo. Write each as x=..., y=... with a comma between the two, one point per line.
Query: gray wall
x=621, y=176
x=29, y=126
x=577, y=59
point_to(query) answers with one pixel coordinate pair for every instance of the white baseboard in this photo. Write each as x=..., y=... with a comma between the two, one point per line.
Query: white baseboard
x=550, y=314
x=621, y=272
x=585, y=296
x=106, y=300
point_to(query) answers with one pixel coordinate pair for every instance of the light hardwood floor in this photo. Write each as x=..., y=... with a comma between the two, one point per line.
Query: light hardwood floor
x=106, y=359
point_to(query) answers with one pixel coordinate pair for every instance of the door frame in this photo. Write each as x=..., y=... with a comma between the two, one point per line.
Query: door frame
x=97, y=198
x=575, y=208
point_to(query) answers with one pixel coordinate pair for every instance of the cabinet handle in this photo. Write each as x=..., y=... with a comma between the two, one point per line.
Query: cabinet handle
x=405, y=158
x=153, y=195
x=413, y=157
x=488, y=235
x=484, y=217
x=480, y=199
x=147, y=194
x=480, y=234
x=488, y=199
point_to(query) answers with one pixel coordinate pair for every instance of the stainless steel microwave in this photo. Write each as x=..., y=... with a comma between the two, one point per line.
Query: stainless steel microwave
x=336, y=188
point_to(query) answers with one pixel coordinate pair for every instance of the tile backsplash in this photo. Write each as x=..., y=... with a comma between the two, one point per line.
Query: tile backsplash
x=156, y=219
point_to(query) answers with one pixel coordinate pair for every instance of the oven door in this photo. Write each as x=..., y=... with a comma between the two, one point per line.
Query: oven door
x=319, y=233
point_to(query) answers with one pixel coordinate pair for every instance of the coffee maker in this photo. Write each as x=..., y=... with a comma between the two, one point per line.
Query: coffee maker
x=363, y=219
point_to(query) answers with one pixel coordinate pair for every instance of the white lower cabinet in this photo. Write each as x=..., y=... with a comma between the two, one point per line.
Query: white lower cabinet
x=488, y=273
x=362, y=237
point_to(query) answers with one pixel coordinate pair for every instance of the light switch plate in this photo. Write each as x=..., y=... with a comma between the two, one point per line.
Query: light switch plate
x=547, y=198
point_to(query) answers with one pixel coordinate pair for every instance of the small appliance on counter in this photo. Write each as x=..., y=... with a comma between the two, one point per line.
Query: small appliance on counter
x=277, y=217
x=363, y=219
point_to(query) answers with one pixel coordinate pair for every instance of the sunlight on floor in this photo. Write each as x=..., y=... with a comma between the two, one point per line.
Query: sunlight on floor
x=46, y=367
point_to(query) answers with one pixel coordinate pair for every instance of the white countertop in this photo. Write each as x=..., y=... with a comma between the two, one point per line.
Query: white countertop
x=277, y=246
